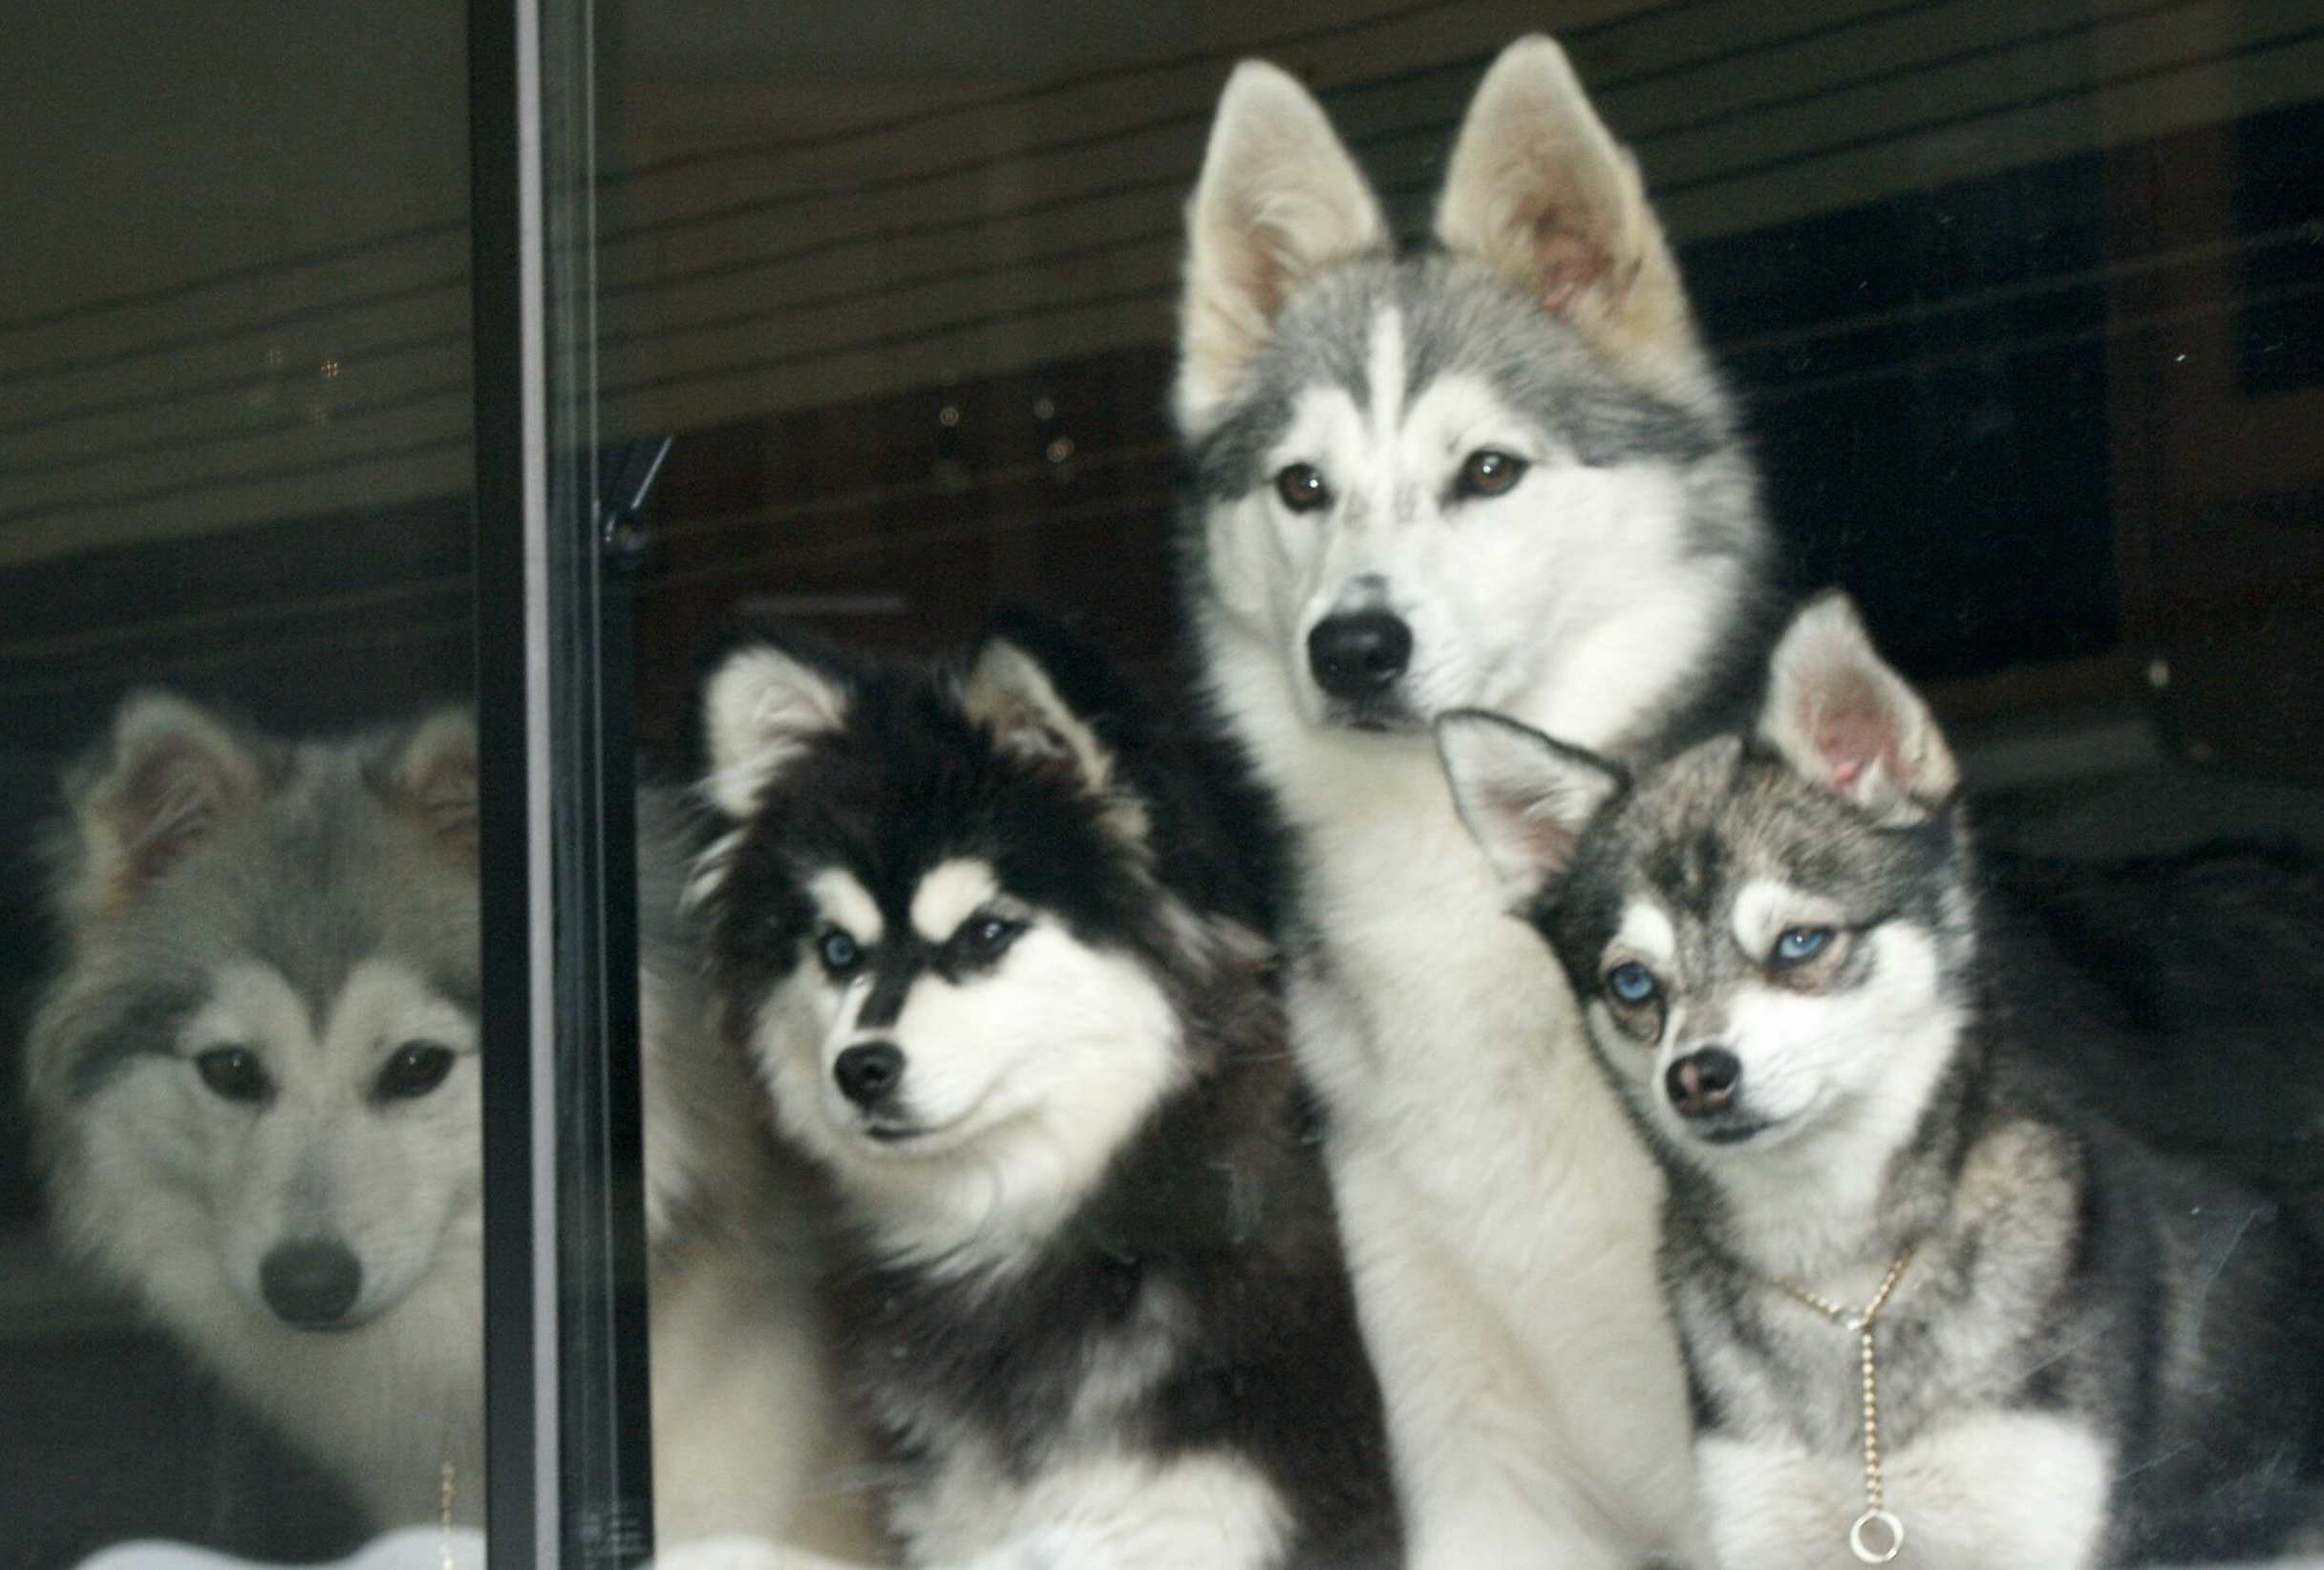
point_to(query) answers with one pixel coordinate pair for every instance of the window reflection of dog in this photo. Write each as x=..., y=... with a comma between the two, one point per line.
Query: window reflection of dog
x=254, y=1082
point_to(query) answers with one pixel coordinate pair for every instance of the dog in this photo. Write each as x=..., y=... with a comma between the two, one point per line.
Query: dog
x=1502, y=472
x=971, y=924
x=1922, y=1288
x=254, y=1087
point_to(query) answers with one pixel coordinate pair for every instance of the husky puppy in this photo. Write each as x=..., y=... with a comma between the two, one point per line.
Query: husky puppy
x=981, y=948
x=254, y=1082
x=1503, y=473
x=254, y=1088
x=1928, y=1302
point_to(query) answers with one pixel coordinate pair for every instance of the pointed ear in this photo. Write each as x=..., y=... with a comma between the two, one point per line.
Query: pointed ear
x=169, y=776
x=761, y=708
x=1524, y=797
x=1847, y=723
x=1540, y=191
x=1279, y=201
x=431, y=775
x=1011, y=693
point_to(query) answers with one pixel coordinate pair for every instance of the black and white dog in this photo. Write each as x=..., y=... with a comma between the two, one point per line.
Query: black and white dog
x=975, y=938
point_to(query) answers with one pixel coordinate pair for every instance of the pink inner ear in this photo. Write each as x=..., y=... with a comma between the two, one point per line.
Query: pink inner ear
x=1564, y=264
x=1854, y=731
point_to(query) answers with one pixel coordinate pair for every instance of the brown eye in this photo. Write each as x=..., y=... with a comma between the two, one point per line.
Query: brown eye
x=1486, y=472
x=418, y=1068
x=1302, y=487
x=233, y=1073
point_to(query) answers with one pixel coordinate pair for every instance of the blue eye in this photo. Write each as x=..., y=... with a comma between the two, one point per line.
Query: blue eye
x=1800, y=943
x=838, y=951
x=1630, y=983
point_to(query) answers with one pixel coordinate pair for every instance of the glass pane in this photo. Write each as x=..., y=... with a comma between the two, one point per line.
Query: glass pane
x=239, y=1149
x=2019, y=310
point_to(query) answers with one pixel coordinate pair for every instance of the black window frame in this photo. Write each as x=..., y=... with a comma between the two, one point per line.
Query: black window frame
x=568, y=1451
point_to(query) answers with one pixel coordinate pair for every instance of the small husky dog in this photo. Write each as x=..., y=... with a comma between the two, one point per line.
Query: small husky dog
x=1502, y=472
x=971, y=928
x=253, y=1082
x=1928, y=1302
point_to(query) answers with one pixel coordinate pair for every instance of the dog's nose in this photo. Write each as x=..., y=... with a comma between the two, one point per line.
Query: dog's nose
x=311, y=1284
x=1358, y=653
x=1703, y=1081
x=869, y=1071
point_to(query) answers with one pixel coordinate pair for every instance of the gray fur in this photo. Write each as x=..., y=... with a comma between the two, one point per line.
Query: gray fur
x=1461, y=316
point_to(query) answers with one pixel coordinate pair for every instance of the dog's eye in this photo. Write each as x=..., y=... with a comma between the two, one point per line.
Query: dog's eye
x=1798, y=945
x=1302, y=487
x=839, y=953
x=234, y=1073
x=1486, y=472
x=418, y=1068
x=984, y=937
x=1630, y=983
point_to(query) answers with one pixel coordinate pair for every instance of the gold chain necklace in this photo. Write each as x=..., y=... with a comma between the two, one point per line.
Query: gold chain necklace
x=1877, y=1518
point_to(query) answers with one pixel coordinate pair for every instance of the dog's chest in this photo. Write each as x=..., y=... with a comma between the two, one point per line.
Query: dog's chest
x=1010, y=1375
x=1982, y=1317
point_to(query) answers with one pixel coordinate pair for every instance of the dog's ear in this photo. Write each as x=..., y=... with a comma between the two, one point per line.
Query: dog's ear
x=762, y=707
x=1013, y=692
x=1849, y=724
x=1524, y=797
x=1010, y=692
x=1538, y=190
x=1279, y=201
x=165, y=778
x=431, y=775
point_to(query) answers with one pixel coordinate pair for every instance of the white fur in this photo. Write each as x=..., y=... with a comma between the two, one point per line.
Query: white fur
x=1111, y=1511
x=1765, y=909
x=1020, y=1084
x=847, y=904
x=1646, y=934
x=2000, y=1490
x=949, y=895
x=1508, y=1292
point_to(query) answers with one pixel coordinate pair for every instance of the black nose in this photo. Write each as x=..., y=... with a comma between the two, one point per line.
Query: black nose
x=1360, y=652
x=311, y=1284
x=1703, y=1081
x=869, y=1071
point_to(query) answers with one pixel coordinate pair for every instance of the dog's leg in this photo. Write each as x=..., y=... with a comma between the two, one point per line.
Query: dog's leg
x=1483, y=1473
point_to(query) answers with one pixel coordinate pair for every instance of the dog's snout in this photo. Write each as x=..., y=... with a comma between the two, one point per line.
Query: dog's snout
x=311, y=1283
x=1358, y=653
x=1703, y=1081
x=869, y=1071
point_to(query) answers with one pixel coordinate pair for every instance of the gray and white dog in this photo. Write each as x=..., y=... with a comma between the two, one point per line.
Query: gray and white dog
x=1500, y=474
x=253, y=1078
x=1920, y=1289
